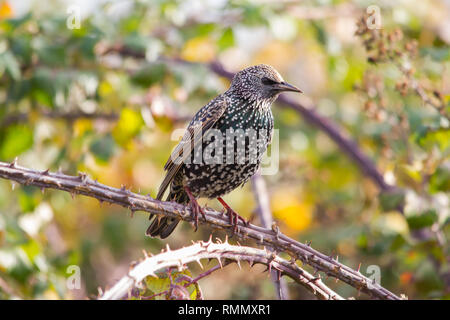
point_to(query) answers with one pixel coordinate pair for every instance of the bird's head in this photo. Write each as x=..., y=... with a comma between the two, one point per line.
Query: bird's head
x=260, y=82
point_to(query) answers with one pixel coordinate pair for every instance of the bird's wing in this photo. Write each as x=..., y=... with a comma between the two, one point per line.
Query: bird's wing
x=200, y=124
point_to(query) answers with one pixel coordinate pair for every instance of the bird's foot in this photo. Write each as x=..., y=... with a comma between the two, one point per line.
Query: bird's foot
x=232, y=215
x=196, y=209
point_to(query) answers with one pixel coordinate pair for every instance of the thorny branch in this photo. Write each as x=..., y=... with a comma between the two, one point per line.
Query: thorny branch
x=220, y=251
x=82, y=184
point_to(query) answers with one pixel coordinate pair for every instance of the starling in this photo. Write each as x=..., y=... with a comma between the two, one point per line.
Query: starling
x=222, y=146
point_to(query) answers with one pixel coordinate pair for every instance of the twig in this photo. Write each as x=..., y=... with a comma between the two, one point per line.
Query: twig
x=209, y=250
x=82, y=184
x=69, y=116
x=262, y=198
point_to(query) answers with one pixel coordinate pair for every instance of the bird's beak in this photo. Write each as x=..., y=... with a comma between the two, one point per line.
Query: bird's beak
x=284, y=86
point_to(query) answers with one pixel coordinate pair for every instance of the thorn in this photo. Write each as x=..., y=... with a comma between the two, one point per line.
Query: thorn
x=359, y=267
x=72, y=194
x=239, y=264
x=198, y=261
x=308, y=243
x=13, y=185
x=167, y=248
x=314, y=279
x=331, y=255
x=13, y=163
x=82, y=176
x=220, y=262
x=45, y=172
x=145, y=253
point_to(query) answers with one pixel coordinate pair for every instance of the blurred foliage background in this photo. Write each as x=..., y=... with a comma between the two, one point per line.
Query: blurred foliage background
x=105, y=98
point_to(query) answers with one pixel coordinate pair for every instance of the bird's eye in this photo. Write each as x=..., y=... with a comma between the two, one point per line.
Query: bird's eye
x=268, y=81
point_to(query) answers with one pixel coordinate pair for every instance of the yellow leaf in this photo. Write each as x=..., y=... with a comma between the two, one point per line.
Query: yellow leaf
x=105, y=88
x=81, y=126
x=6, y=11
x=200, y=49
x=129, y=125
x=288, y=207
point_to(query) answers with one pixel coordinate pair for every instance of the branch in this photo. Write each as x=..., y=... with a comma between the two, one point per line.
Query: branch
x=265, y=215
x=68, y=116
x=209, y=250
x=82, y=184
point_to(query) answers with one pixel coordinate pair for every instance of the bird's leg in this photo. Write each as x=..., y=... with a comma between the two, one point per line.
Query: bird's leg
x=195, y=207
x=233, y=215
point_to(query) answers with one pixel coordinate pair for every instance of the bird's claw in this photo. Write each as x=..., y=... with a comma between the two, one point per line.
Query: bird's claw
x=196, y=210
x=234, y=218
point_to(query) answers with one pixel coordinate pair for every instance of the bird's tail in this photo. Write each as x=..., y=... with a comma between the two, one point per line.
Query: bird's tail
x=164, y=226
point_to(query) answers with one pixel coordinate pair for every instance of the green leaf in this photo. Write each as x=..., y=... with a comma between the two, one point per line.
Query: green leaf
x=16, y=140
x=440, y=180
x=43, y=87
x=428, y=138
x=150, y=74
x=103, y=148
x=391, y=200
x=226, y=40
x=9, y=62
x=157, y=284
x=27, y=200
x=15, y=23
x=426, y=219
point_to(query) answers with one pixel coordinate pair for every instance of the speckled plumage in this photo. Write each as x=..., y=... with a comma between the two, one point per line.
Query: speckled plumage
x=243, y=110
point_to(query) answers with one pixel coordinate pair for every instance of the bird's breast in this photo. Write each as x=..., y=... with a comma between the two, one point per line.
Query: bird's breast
x=231, y=151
